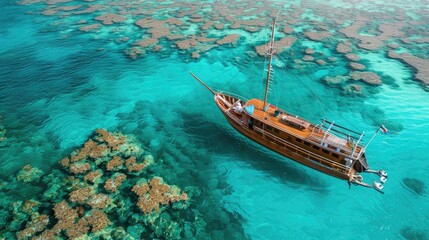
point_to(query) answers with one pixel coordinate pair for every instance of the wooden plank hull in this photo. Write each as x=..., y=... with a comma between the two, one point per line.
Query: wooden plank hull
x=289, y=152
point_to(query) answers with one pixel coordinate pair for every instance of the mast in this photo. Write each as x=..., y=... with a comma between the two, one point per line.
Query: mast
x=205, y=85
x=270, y=59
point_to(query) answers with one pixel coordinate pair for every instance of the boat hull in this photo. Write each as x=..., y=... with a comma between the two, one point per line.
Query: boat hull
x=292, y=153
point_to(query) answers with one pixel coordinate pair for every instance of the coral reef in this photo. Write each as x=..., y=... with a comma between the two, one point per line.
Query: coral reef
x=97, y=203
x=110, y=18
x=154, y=193
x=115, y=163
x=112, y=184
x=356, y=66
x=29, y=174
x=184, y=26
x=419, y=64
x=344, y=48
x=368, y=77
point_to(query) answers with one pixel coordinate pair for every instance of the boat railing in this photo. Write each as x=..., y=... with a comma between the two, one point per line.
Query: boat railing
x=333, y=141
x=234, y=95
x=309, y=153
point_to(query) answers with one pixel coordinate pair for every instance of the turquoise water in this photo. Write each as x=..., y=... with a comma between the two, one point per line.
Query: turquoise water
x=58, y=84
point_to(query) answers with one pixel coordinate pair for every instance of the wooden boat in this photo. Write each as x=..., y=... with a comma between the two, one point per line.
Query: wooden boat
x=326, y=147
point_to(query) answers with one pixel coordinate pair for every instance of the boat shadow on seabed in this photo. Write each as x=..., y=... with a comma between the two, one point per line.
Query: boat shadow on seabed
x=261, y=159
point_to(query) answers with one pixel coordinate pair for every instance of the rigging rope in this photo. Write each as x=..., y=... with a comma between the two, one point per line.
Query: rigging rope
x=309, y=88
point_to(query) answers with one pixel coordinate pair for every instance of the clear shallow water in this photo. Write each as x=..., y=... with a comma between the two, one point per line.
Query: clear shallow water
x=57, y=85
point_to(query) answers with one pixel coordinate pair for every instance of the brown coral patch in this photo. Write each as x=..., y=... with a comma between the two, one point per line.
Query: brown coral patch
x=207, y=25
x=37, y=224
x=186, y=44
x=115, y=163
x=110, y=18
x=93, y=176
x=228, y=39
x=157, y=48
x=320, y=62
x=156, y=193
x=112, y=141
x=419, y=64
x=387, y=31
x=175, y=37
x=90, y=149
x=309, y=51
x=133, y=166
x=279, y=46
x=90, y=9
x=147, y=42
x=252, y=29
x=99, y=201
x=80, y=167
x=205, y=39
x=219, y=26
x=65, y=215
x=352, y=57
x=89, y=28
x=112, y=184
x=368, y=77
x=53, y=2
x=65, y=162
x=308, y=58
x=150, y=23
x=356, y=66
x=98, y=220
x=30, y=206
x=174, y=21
x=80, y=195
x=287, y=29
x=159, y=32
x=343, y=48
x=29, y=174
x=317, y=36
x=195, y=55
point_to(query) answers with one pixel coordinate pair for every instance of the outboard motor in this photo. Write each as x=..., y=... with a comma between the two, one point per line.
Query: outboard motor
x=383, y=176
x=378, y=186
x=381, y=173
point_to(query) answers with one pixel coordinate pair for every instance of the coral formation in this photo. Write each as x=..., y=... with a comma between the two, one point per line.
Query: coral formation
x=185, y=25
x=93, y=176
x=80, y=167
x=114, y=164
x=29, y=174
x=356, y=66
x=368, y=77
x=97, y=203
x=228, y=39
x=110, y=18
x=317, y=36
x=419, y=64
x=154, y=193
x=80, y=195
x=100, y=201
x=343, y=48
x=112, y=184
x=36, y=225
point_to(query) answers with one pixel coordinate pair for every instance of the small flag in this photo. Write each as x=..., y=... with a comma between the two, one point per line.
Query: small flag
x=383, y=128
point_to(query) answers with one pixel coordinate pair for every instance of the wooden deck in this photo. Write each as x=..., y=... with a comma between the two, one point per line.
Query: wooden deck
x=276, y=121
x=300, y=127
